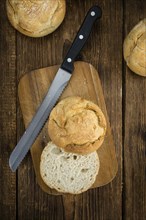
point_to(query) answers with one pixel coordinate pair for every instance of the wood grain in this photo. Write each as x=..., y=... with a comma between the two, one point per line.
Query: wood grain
x=104, y=51
x=7, y=116
x=33, y=203
x=134, y=201
x=85, y=83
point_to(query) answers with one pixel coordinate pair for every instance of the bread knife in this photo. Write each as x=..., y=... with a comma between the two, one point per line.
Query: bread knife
x=59, y=83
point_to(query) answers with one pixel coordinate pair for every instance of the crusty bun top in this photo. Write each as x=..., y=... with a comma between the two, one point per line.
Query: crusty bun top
x=135, y=48
x=36, y=18
x=77, y=125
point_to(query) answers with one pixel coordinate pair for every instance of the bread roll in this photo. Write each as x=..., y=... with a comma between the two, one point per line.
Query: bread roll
x=68, y=172
x=77, y=125
x=36, y=18
x=135, y=48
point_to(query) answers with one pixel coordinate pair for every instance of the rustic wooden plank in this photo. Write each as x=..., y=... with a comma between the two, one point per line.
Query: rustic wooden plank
x=33, y=203
x=7, y=116
x=104, y=51
x=134, y=203
x=106, y=55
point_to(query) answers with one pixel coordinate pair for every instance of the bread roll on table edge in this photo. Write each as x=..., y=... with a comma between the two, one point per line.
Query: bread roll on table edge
x=36, y=18
x=134, y=48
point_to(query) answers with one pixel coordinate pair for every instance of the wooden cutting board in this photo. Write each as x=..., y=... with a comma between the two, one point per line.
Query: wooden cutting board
x=84, y=82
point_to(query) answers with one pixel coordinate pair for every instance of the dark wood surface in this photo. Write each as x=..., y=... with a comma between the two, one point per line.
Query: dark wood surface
x=125, y=97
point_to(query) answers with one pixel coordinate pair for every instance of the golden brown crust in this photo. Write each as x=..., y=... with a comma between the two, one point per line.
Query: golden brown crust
x=77, y=125
x=135, y=48
x=36, y=18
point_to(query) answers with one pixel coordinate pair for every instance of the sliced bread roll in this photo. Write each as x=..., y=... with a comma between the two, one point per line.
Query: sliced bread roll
x=68, y=172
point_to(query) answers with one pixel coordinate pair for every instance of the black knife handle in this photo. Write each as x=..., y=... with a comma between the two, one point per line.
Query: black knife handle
x=93, y=14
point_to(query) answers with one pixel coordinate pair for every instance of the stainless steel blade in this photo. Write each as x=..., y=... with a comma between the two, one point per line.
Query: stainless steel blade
x=21, y=149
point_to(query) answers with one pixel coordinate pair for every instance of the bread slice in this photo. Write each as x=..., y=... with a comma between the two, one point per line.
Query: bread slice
x=68, y=172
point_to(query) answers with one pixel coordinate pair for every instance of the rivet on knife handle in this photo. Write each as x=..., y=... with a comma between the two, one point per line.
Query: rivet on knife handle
x=59, y=83
x=93, y=14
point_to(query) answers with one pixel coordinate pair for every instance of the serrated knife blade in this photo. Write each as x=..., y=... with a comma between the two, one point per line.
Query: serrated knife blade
x=59, y=83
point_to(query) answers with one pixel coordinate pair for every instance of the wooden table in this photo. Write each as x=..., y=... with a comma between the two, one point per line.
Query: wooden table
x=125, y=97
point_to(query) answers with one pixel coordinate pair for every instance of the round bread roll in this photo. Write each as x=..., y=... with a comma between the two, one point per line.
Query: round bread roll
x=135, y=49
x=36, y=18
x=77, y=125
x=68, y=172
